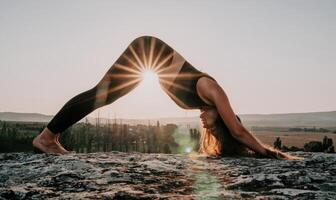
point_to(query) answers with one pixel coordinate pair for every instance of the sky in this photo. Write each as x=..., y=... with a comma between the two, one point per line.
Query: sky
x=268, y=56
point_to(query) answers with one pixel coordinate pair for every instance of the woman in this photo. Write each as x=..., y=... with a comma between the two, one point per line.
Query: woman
x=188, y=87
x=218, y=140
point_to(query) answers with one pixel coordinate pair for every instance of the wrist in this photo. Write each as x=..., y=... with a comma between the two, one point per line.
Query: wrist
x=272, y=153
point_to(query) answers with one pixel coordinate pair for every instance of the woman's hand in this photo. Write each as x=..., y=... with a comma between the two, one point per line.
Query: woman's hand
x=273, y=153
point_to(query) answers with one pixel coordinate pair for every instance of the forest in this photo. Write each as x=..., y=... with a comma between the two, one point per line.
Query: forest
x=85, y=137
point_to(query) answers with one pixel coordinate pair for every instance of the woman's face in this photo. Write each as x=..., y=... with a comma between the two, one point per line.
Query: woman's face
x=208, y=116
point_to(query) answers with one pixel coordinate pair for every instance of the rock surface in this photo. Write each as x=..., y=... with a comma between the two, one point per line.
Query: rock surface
x=117, y=175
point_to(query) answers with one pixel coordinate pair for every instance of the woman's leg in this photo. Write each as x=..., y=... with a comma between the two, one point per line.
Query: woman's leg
x=121, y=78
x=144, y=52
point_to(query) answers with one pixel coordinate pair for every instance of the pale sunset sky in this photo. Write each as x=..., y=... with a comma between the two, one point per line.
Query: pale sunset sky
x=269, y=56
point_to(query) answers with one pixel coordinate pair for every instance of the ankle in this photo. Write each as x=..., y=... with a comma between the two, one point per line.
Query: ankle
x=47, y=135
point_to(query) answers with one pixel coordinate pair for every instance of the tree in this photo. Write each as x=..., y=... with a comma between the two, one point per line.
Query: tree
x=277, y=143
x=327, y=145
x=166, y=148
x=313, y=146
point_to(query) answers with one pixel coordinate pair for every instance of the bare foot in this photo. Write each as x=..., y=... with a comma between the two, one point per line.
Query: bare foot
x=47, y=142
x=58, y=135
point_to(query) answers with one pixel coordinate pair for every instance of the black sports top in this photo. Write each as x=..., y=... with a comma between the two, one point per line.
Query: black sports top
x=183, y=90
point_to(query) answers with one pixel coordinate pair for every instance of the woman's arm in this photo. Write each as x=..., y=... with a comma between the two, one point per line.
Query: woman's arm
x=215, y=94
x=210, y=90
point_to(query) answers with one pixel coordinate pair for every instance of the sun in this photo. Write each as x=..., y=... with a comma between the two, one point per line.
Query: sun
x=148, y=63
x=149, y=76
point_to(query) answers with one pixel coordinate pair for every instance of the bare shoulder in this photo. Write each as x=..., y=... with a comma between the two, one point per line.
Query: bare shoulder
x=205, y=86
x=204, y=80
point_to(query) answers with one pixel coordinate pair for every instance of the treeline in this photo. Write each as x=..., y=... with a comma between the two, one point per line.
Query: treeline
x=293, y=129
x=314, y=129
x=86, y=138
x=195, y=137
x=326, y=145
x=17, y=136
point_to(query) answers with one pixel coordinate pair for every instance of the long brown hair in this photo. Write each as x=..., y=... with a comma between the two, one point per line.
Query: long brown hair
x=219, y=142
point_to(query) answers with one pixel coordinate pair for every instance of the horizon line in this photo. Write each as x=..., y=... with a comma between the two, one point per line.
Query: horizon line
x=173, y=117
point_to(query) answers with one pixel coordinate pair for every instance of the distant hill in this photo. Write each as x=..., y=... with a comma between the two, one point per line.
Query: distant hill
x=27, y=117
x=318, y=119
x=309, y=119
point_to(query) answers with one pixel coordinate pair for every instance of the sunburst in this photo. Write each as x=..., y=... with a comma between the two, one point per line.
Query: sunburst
x=149, y=76
x=146, y=62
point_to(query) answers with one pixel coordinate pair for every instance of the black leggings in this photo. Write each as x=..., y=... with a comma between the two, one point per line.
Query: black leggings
x=123, y=76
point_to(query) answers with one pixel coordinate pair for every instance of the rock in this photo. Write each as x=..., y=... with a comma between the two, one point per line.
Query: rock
x=118, y=175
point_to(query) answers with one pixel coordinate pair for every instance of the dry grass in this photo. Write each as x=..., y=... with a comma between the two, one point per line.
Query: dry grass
x=289, y=139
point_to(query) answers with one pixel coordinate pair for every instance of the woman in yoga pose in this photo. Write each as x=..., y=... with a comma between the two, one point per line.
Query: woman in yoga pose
x=188, y=87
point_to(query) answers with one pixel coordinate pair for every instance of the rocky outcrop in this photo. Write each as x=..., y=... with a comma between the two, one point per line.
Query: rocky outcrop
x=117, y=175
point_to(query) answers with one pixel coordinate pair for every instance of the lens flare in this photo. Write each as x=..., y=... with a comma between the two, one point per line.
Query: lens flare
x=149, y=76
x=147, y=60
